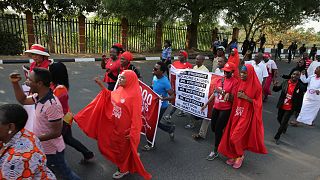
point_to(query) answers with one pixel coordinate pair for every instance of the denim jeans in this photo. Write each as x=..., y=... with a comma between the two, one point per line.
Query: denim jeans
x=58, y=164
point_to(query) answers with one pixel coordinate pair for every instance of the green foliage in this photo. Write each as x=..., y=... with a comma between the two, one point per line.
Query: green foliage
x=254, y=15
x=11, y=44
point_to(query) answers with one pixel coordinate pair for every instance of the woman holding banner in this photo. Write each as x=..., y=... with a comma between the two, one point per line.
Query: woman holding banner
x=244, y=130
x=223, y=95
x=113, y=118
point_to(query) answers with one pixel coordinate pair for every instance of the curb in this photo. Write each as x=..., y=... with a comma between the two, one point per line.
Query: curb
x=21, y=61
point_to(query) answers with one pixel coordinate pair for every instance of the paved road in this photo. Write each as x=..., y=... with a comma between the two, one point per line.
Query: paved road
x=296, y=158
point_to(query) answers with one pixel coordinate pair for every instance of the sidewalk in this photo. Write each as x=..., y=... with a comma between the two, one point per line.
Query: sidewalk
x=92, y=57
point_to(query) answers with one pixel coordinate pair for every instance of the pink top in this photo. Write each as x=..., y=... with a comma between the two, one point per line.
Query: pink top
x=48, y=110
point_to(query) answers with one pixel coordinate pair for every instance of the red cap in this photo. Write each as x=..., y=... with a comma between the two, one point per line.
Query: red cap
x=266, y=55
x=127, y=55
x=229, y=66
x=118, y=45
x=184, y=54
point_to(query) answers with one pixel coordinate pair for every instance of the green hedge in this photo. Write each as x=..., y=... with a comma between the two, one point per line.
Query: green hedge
x=11, y=44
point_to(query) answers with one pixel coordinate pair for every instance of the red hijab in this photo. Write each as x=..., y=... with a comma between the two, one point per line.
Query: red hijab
x=113, y=117
x=129, y=57
x=235, y=59
x=245, y=130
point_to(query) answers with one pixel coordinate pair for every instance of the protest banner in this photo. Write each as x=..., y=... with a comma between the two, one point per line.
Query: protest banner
x=192, y=90
x=151, y=105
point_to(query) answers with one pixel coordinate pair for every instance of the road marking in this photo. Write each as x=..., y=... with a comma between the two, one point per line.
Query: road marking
x=1, y=62
x=84, y=59
x=153, y=58
x=268, y=111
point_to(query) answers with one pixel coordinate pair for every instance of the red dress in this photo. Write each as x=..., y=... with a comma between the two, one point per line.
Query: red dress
x=114, y=69
x=244, y=130
x=112, y=116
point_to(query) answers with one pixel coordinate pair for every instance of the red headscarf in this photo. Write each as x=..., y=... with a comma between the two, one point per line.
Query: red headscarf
x=184, y=54
x=235, y=59
x=112, y=117
x=244, y=130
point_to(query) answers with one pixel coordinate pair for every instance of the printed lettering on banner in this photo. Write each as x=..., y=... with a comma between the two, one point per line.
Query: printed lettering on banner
x=150, y=112
x=192, y=90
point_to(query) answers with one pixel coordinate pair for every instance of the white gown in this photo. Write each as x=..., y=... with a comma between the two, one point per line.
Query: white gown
x=30, y=110
x=311, y=101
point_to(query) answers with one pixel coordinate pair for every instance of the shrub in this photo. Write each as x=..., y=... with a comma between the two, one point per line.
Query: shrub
x=11, y=44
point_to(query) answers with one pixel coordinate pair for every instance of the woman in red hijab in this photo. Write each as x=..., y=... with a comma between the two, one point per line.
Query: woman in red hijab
x=244, y=130
x=113, y=118
x=125, y=60
x=235, y=59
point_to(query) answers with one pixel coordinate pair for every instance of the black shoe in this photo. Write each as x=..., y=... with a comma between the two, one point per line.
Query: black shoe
x=89, y=156
x=277, y=141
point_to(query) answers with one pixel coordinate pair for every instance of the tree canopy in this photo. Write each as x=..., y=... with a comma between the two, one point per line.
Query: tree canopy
x=250, y=15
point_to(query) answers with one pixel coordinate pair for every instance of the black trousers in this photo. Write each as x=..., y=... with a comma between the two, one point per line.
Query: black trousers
x=219, y=121
x=71, y=141
x=165, y=127
x=283, y=119
x=111, y=86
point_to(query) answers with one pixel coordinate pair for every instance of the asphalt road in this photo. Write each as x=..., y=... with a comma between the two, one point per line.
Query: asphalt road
x=297, y=157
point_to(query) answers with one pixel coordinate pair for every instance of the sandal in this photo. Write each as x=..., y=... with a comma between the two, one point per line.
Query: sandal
x=148, y=148
x=230, y=162
x=197, y=137
x=238, y=163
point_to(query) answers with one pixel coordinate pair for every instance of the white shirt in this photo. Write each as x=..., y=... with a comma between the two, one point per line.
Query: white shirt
x=201, y=68
x=260, y=69
x=313, y=81
x=271, y=65
x=219, y=72
x=312, y=67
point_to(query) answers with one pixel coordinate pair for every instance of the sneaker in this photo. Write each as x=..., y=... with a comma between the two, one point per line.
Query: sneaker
x=171, y=135
x=167, y=118
x=212, y=156
x=148, y=148
x=181, y=114
x=189, y=126
x=238, y=163
x=230, y=162
x=197, y=137
x=119, y=175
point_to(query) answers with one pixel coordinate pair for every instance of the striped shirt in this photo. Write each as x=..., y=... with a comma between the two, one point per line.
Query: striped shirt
x=48, y=110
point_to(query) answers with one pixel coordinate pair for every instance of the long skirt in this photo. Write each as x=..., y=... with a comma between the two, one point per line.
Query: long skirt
x=310, y=107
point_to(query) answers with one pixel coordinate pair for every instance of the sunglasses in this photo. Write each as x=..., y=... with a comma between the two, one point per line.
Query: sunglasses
x=155, y=69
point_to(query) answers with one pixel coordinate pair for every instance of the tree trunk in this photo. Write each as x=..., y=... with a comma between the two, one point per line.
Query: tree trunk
x=50, y=39
x=193, y=31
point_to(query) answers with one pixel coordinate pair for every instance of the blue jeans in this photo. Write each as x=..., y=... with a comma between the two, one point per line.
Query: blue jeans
x=58, y=165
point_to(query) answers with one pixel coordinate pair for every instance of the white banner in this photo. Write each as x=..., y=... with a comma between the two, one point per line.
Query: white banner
x=192, y=90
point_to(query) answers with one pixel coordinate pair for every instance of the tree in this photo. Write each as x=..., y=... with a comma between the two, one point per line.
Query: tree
x=53, y=8
x=191, y=11
x=254, y=15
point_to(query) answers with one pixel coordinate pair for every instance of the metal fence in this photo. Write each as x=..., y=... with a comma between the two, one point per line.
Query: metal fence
x=100, y=35
x=62, y=34
x=15, y=25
